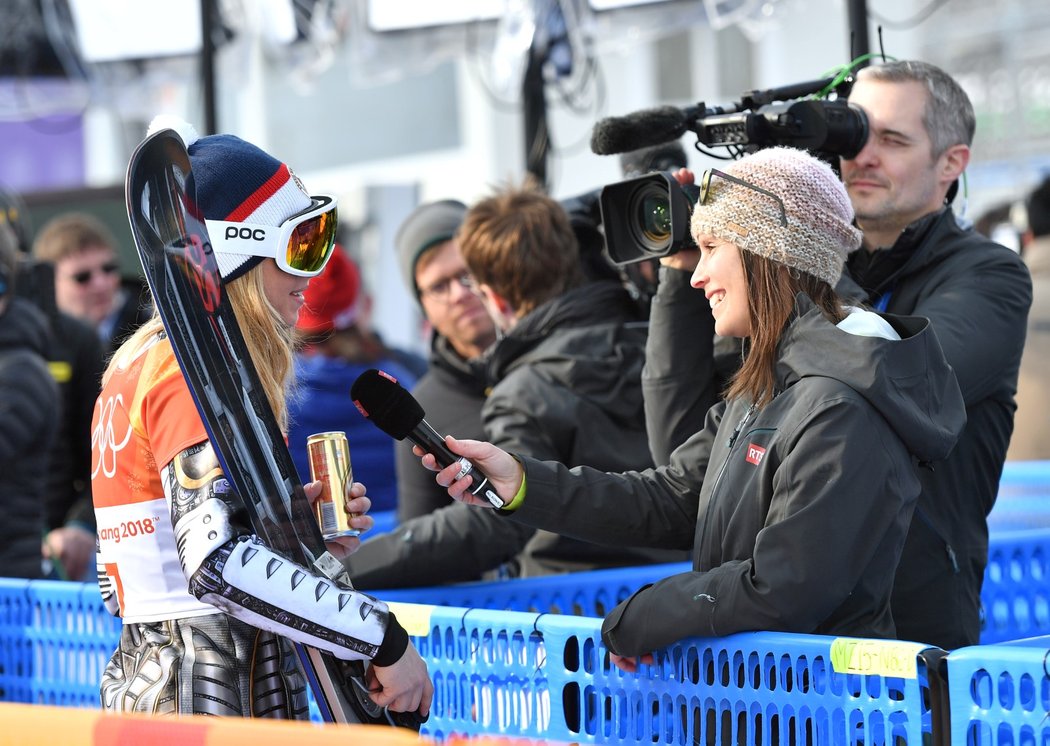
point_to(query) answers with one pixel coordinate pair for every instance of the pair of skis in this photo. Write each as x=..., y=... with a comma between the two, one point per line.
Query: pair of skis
x=177, y=259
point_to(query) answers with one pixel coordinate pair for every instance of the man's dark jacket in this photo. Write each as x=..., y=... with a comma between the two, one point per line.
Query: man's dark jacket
x=569, y=390
x=29, y=411
x=75, y=359
x=976, y=294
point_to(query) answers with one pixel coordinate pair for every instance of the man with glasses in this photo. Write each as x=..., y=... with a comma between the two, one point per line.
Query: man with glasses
x=88, y=283
x=565, y=385
x=450, y=392
x=916, y=260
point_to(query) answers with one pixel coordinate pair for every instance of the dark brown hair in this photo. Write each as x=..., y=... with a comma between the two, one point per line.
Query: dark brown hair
x=772, y=288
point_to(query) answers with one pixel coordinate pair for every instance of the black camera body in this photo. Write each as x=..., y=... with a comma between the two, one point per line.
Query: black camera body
x=648, y=216
x=826, y=128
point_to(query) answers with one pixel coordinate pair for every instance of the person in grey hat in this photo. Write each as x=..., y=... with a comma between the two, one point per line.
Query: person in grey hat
x=449, y=392
x=916, y=259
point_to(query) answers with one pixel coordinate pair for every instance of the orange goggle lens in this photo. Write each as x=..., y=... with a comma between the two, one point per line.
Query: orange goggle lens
x=311, y=242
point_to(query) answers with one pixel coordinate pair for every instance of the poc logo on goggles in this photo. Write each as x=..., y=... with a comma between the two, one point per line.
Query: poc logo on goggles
x=301, y=245
x=247, y=234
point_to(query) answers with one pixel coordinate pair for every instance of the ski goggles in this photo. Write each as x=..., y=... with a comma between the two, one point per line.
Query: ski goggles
x=301, y=245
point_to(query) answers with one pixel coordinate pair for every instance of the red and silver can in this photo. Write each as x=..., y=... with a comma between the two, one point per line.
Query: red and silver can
x=329, y=455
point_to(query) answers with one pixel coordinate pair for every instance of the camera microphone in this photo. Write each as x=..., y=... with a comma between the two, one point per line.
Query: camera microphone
x=384, y=401
x=642, y=129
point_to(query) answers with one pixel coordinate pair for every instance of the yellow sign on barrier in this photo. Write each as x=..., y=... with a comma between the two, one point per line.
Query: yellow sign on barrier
x=415, y=618
x=878, y=657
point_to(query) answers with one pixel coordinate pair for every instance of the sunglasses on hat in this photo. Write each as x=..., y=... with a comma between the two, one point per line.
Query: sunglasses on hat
x=705, y=190
x=301, y=245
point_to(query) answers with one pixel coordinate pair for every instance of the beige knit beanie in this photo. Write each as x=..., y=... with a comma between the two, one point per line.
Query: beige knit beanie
x=819, y=232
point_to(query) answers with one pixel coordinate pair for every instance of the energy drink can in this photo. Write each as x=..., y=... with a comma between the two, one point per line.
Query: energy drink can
x=329, y=455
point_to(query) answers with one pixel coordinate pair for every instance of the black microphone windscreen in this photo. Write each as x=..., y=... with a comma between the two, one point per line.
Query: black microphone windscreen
x=642, y=129
x=387, y=403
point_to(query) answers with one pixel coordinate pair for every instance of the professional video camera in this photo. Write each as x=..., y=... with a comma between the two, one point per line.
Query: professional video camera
x=648, y=216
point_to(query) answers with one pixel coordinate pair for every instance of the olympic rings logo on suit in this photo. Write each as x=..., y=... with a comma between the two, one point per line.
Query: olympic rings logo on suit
x=103, y=437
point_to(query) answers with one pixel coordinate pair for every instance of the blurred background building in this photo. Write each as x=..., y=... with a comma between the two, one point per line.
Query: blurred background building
x=387, y=103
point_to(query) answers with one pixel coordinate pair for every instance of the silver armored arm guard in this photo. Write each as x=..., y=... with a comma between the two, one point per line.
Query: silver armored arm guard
x=232, y=570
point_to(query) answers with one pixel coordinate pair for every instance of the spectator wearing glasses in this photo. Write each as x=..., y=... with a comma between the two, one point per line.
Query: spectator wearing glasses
x=796, y=495
x=450, y=392
x=565, y=380
x=88, y=282
x=202, y=599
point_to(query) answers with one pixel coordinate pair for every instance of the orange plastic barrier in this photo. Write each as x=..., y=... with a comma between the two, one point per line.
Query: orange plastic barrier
x=38, y=725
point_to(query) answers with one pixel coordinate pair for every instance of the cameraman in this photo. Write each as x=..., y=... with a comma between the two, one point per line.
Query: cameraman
x=917, y=260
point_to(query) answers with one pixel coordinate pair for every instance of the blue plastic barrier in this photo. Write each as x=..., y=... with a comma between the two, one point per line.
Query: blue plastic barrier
x=55, y=640
x=1015, y=594
x=1016, y=590
x=547, y=676
x=1000, y=694
x=592, y=593
x=1023, y=501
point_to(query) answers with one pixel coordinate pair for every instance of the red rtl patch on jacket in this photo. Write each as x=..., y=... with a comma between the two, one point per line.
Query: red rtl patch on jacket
x=755, y=454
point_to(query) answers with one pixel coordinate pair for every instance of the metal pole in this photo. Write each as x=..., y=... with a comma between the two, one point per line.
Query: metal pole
x=534, y=104
x=208, y=66
x=858, y=27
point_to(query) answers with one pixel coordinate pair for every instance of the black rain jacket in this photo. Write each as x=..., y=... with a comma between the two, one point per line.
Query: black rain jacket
x=976, y=294
x=796, y=513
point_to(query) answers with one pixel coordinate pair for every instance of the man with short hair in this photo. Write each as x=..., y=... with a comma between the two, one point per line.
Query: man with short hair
x=919, y=260
x=916, y=260
x=88, y=283
x=449, y=392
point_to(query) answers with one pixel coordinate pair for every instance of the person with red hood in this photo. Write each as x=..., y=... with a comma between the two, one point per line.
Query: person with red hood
x=338, y=346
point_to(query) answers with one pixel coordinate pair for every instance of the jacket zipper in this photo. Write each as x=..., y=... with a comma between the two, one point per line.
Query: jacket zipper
x=725, y=462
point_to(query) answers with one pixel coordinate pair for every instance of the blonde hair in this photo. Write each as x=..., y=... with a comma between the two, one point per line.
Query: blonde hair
x=269, y=341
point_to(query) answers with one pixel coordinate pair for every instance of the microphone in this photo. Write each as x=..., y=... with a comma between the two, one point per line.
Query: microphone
x=384, y=401
x=642, y=129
